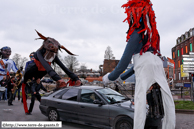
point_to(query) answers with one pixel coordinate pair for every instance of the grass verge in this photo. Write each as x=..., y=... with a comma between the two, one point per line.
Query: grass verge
x=186, y=105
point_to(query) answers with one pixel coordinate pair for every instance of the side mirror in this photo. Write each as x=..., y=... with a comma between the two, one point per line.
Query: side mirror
x=98, y=102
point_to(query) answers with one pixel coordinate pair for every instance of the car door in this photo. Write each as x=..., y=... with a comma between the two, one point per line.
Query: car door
x=91, y=113
x=67, y=104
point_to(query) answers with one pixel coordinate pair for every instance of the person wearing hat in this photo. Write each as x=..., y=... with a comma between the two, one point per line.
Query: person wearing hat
x=31, y=59
x=30, y=80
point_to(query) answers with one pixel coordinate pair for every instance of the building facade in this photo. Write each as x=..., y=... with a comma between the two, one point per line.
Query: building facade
x=184, y=45
x=109, y=66
x=169, y=69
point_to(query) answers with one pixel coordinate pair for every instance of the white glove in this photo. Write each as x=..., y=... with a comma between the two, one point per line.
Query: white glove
x=105, y=79
x=119, y=80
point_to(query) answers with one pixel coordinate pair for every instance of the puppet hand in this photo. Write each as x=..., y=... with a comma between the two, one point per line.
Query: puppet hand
x=78, y=83
x=105, y=79
x=61, y=83
x=119, y=80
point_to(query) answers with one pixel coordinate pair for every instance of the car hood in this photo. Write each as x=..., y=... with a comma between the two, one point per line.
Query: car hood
x=126, y=104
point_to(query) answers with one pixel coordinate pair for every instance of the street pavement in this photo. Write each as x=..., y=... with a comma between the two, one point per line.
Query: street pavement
x=184, y=121
x=16, y=113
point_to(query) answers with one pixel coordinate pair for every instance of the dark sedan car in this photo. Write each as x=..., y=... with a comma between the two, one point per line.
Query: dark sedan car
x=89, y=105
x=47, y=80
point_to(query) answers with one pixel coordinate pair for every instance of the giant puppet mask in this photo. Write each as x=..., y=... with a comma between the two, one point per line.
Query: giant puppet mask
x=6, y=52
x=51, y=45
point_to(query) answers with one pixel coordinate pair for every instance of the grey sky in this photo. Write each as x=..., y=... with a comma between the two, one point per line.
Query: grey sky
x=86, y=27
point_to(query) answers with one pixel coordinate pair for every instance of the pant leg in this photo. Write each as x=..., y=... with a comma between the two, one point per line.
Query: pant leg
x=5, y=97
x=169, y=119
x=10, y=98
x=14, y=95
x=19, y=93
x=140, y=105
x=32, y=103
x=38, y=96
x=1, y=95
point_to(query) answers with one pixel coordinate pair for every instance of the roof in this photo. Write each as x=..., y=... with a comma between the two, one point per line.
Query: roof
x=86, y=87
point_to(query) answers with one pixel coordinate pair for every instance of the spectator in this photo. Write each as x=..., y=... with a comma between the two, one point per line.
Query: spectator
x=10, y=85
x=3, y=83
x=27, y=63
x=18, y=84
x=35, y=94
x=31, y=59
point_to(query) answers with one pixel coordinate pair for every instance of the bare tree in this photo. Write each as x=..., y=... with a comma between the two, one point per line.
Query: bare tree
x=71, y=62
x=83, y=68
x=23, y=61
x=56, y=67
x=19, y=60
x=108, y=54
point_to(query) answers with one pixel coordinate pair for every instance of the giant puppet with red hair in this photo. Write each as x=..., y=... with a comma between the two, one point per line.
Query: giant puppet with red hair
x=143, y=44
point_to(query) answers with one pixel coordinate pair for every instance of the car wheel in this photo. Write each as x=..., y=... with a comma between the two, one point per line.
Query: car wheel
x=53, y=115
x=124, y=123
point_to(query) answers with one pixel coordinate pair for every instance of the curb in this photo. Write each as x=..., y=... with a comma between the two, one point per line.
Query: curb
x=184, y=111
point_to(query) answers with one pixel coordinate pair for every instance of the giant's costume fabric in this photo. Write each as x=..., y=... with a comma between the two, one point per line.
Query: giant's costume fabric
x=44, y=56
x=143, y=45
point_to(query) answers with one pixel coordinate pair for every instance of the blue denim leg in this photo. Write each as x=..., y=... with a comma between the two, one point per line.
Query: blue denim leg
x=5, y=93
x=1, y=95
x=19, y=93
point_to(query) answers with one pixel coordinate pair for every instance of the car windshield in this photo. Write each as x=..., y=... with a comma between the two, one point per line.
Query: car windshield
x=111, y=95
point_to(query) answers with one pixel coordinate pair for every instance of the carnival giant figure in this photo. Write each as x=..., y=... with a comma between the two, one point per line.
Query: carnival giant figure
x=143, y=44
x=44, y=56
x=6, y=65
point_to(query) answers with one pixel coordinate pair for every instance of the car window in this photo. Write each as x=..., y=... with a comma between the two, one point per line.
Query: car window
x=111, y=95
x=88, y=96
x=59, y=95
x=71, y=94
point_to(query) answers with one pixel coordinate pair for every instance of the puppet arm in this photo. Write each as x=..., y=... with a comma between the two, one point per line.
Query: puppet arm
x=127, y=74
x=66, y=70
x=48, y=68
x=133, y=46
x=43, y=88
x=14, y=68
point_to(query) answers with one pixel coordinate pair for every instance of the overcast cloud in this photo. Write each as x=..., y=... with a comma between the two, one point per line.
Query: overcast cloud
x=86, y=27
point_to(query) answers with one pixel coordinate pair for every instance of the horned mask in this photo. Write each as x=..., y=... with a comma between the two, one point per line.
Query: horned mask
x=51, y=44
